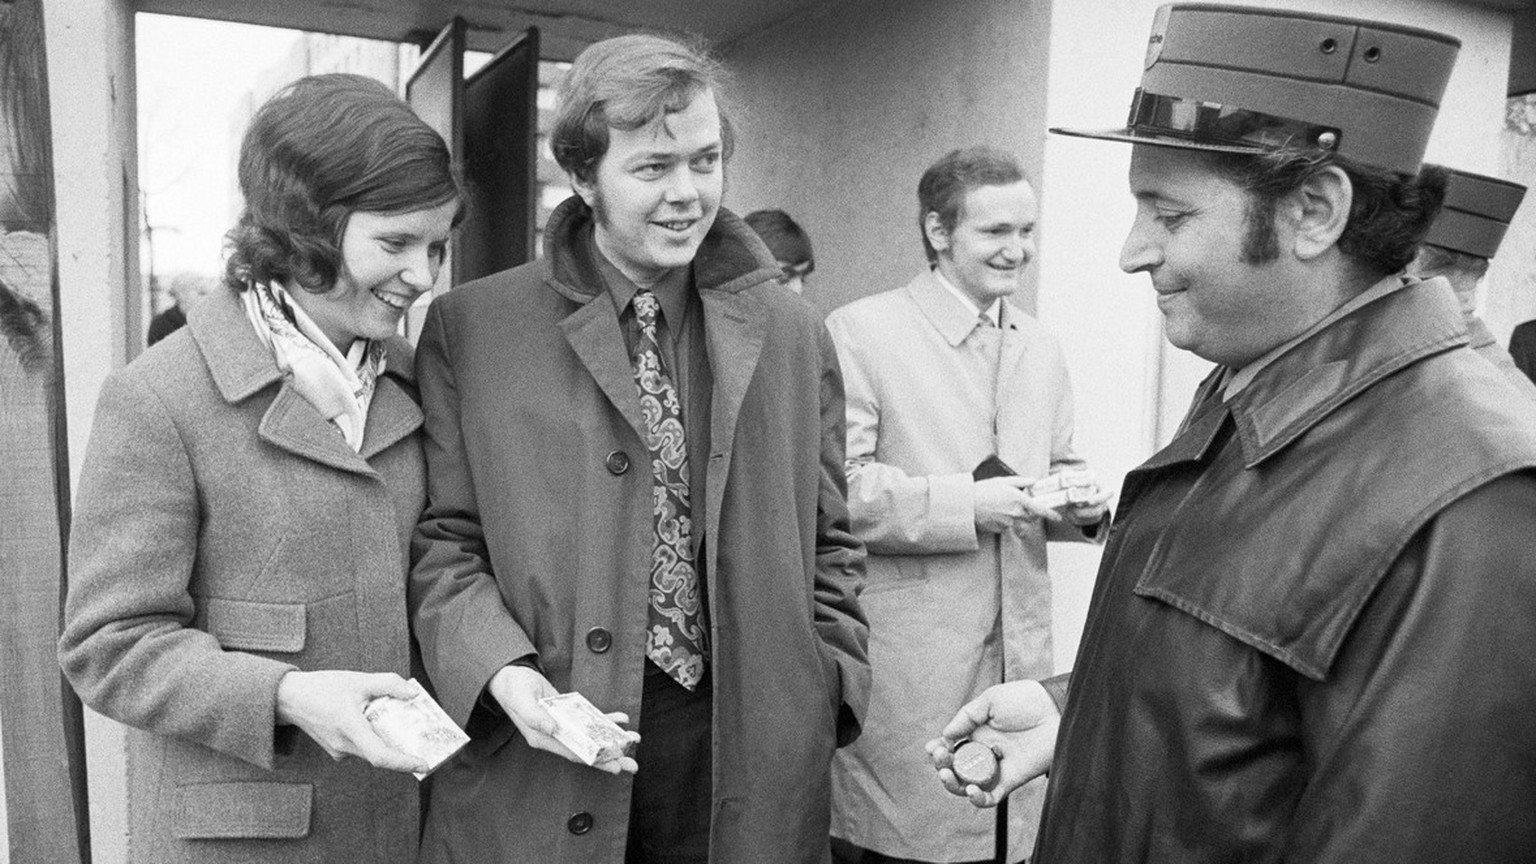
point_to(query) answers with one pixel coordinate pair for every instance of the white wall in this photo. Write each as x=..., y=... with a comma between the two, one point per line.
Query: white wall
x=1510, y=289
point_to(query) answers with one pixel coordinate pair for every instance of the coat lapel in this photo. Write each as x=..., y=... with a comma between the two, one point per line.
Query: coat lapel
x=292, y=424
x=393, y=415
x=241, y=367
x=1015, y=345
x=593, y=333
x=395, y=411
x=734, y=325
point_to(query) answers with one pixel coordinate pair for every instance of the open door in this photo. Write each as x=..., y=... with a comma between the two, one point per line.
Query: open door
x=490, y=122
x=501, y=122
x=436, y=92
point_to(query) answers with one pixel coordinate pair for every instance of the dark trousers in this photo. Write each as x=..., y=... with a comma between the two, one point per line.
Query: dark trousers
x=669, y=808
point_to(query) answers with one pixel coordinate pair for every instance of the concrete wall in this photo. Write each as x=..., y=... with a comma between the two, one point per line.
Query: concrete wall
x=843, y=108
x=91, y=90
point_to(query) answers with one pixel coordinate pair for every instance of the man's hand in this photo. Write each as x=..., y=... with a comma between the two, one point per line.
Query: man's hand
x=518, y=689
x=1018, y=720
x=1090, y=511
x=328, y=706
x=1002, y=503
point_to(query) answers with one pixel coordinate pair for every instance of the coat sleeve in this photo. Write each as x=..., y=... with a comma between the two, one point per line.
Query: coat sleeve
x=462, y=624
x=128, y=644
x=893, y=512
x=839, y=619
x=1422, y=735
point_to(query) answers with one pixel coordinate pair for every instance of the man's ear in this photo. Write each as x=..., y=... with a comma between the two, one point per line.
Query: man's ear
x=938, y=238
x=1320, y=211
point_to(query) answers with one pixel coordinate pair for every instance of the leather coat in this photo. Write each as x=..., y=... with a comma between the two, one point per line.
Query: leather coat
x=1311, y=637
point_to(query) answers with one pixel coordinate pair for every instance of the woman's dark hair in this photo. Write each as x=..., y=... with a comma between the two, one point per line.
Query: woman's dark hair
x=321, y=149
x=1389, y=214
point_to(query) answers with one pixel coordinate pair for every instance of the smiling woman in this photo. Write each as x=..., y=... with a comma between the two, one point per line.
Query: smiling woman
x=388, y=260
x=237, y=563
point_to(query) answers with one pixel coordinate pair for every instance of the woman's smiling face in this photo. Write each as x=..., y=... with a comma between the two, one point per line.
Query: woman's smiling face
x=388, y=260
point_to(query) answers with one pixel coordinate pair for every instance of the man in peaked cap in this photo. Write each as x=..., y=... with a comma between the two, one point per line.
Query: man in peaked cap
x=1464, y=237
x=1311, y=637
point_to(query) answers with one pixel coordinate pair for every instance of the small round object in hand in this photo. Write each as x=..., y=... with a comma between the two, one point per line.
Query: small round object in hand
x=975, y=764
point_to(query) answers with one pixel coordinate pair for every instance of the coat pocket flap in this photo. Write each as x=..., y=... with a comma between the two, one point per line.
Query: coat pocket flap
x=252, y=626
x=243, y=810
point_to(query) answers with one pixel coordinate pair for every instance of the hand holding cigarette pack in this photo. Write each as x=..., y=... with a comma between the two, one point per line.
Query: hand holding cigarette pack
x=418, y=727
x=1063, y=489
x=586, y=731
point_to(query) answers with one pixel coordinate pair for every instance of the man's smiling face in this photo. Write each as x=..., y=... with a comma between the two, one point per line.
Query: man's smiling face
x=1188, y=237
x=992, y=241
x=657, y=189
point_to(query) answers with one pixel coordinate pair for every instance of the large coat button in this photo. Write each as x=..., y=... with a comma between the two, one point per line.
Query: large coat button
x=617, y=462
x=599, y=640
x=580, y=823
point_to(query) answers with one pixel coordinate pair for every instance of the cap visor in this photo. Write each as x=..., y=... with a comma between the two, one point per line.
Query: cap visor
x=1131, y=136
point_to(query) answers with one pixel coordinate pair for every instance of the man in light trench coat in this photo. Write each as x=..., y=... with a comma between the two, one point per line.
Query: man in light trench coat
x=948, y=382
x=636, y=492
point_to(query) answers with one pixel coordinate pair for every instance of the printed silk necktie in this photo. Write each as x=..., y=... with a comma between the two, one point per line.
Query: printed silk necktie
x=678, y=638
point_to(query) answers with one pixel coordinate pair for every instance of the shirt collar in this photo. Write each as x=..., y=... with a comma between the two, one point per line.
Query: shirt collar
x=1390, y=329
x=671, y=291
x=993, y=313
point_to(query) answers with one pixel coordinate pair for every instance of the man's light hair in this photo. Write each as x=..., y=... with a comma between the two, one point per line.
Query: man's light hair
x=626, y=83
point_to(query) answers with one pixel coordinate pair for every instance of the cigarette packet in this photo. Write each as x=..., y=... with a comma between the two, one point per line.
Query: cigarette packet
x=418, y=727
x=586, y=731
x=1062, y=488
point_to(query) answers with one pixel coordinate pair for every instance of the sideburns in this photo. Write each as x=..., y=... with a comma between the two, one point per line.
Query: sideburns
x=1260, y=243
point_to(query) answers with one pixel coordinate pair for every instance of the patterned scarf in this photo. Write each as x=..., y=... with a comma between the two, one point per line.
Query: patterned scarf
x=340, y=387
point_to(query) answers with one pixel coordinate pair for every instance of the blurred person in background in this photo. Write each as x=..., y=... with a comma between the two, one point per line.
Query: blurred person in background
x=185, y=288
x=1459, y=247
x=789, y=245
